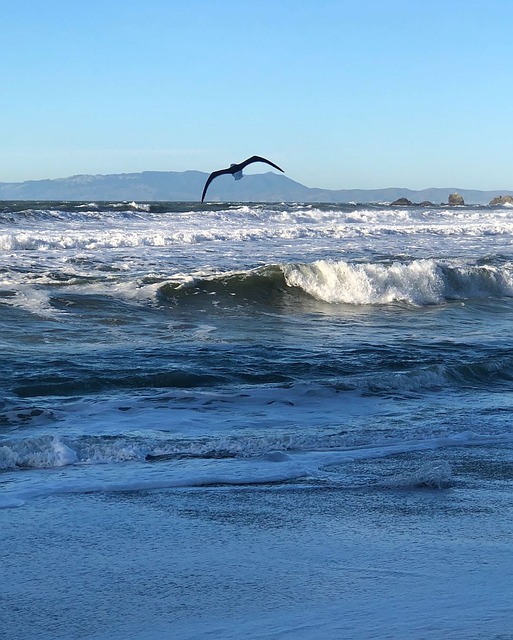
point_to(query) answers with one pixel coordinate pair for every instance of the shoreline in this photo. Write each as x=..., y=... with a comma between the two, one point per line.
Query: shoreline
x=274, y=563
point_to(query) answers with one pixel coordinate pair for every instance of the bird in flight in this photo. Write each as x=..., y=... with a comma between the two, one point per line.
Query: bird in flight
x=236, y=171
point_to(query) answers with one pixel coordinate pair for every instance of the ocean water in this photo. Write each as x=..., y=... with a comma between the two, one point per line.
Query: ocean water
x=293, y=354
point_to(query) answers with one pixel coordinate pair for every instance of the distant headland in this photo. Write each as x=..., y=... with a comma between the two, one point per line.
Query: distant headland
x=150, y=186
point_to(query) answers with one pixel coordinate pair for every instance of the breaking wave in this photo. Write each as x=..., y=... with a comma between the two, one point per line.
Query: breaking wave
x=418, y=283
x=49, y=451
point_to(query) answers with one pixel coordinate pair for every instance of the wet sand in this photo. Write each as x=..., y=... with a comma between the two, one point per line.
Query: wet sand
x=298, y=562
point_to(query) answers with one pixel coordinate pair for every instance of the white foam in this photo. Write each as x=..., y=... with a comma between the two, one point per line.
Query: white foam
x=139, y=207
x=89, y=205
x=45, y=452
x=275, y=466
x=92, y=229
x=32, y=299
x=420, y=282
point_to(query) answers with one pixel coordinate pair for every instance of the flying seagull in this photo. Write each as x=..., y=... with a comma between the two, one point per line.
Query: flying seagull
x=236, y=171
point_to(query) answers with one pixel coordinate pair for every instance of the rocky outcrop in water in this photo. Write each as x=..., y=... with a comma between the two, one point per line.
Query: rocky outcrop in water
x=501, y=200
x=401, y=202
x=455, y=199
x=404, y=202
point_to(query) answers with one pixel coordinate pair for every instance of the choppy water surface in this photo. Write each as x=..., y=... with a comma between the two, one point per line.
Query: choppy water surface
x=169, y=344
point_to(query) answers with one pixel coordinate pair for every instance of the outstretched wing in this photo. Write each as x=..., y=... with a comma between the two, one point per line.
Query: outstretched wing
x=258, y=159
x=211, y=177
x=235, y=168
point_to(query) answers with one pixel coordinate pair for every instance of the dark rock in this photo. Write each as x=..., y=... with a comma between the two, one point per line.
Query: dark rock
x=502, y=200
x=455, y=199
x=426, y=203
x=401, y=202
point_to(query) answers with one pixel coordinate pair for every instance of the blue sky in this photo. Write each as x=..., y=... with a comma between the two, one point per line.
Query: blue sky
x=340, y=93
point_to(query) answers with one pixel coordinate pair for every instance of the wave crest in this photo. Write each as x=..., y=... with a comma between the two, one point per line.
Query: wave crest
x=418, y=283
x=421, y=282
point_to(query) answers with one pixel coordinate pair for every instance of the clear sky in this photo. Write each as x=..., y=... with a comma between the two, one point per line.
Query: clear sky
x=340, y=93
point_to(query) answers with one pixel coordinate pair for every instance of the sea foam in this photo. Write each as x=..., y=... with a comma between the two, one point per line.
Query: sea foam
x=420, y=282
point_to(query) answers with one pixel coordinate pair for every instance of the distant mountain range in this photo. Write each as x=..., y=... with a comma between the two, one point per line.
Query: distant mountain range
x=187, y=186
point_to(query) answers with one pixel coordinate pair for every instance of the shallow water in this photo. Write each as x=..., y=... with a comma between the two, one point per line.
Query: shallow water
x=398, y=559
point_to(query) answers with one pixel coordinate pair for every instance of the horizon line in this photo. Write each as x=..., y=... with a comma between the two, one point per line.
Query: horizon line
x=131, y=173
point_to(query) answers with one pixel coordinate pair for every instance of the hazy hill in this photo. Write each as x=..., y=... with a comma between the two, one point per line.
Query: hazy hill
x=188, y=185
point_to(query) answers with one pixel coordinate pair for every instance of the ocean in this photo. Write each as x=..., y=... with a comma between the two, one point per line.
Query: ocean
x=255, y=420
